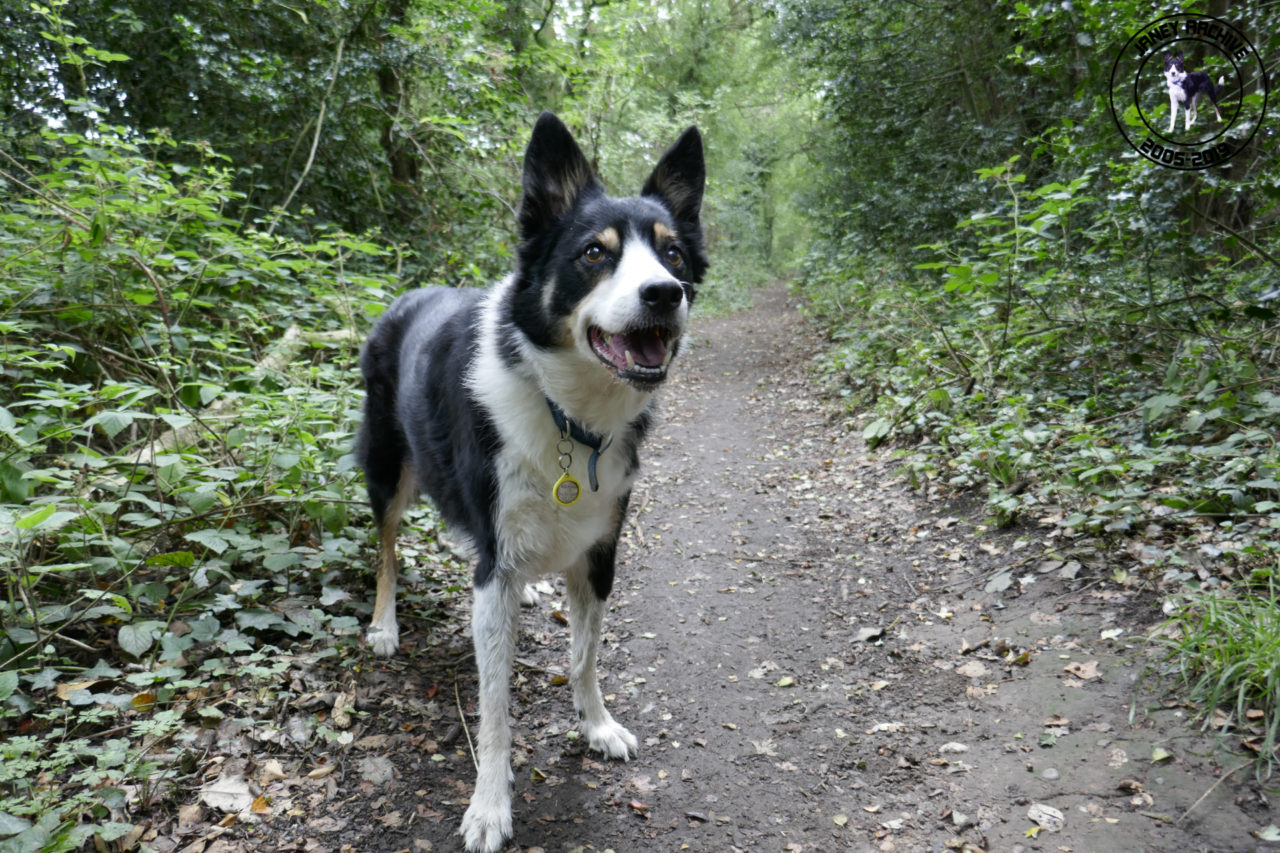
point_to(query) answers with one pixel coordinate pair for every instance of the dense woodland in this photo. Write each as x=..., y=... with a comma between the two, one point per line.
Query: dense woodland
x=203, y=206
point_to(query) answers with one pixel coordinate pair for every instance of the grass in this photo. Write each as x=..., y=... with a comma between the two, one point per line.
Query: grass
x=1224, y=645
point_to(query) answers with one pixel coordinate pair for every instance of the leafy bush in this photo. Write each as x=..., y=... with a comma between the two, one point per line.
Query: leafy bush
x=175, y=483
x=1030, y=358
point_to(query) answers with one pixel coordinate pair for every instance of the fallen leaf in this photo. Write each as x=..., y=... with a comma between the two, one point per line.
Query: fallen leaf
x=1159, y=754
x=260, y=805
x=376, y=769
x=272, y=771
x=786, y=681
x=1084, y=671
x=1000, y=582
x=1267, y=833
x=64, y=691
x=765, y=747
x=1046, y=816
x=189, y=816
x=843, y=820
x=643, y=785
x=227, y=794
x=971, y=669
x=866, y=634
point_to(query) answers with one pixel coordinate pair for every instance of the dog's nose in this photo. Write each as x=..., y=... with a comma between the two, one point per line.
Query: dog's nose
x=662, y=295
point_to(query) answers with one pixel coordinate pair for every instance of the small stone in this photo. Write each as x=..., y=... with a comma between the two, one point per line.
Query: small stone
x=1051, y=774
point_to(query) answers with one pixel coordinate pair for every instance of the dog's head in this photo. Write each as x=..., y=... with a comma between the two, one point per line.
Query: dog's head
x=610, y=279
x=1174, y=67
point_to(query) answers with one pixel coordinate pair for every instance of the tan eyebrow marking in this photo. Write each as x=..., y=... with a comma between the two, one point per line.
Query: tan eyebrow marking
x=661, y=232
x=610, y=239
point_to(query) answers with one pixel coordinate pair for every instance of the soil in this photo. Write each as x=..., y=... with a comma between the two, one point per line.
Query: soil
x=814, y=656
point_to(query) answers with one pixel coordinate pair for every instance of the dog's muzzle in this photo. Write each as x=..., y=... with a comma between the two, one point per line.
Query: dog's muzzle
x=637, y=356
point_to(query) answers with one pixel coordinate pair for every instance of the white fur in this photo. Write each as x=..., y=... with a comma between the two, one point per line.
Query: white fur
x=538, y=536
x=614, y=305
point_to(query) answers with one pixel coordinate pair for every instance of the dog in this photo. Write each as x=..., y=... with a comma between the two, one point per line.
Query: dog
x=1186, y=88
x=520, y=412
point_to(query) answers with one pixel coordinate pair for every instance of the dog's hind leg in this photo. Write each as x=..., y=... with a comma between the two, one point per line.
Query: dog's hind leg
x=486, y=826
x=588, y=585
x=384, y=630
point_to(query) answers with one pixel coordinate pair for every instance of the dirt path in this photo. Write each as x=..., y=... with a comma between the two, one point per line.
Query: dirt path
x=808, y=653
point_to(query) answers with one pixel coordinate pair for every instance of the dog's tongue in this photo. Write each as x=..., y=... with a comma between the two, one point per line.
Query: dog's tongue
x=647, y=348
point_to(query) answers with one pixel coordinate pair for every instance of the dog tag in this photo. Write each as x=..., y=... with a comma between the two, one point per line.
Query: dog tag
x=566, y=491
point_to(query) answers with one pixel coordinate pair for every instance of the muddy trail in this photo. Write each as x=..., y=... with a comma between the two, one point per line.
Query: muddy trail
x=814, y=657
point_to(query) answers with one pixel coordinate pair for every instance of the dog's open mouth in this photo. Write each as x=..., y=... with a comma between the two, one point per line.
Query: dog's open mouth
x=639, y=356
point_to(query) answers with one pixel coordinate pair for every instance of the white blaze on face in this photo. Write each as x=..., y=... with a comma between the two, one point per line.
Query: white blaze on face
x=615, y=305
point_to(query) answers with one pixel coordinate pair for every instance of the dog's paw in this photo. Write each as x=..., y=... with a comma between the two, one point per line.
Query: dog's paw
x=612, y=740
x=487, y=824
x=384, y=641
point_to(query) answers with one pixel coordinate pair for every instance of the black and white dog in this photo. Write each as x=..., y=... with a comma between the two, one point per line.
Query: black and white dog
x=1186, y=88
x=519, y=411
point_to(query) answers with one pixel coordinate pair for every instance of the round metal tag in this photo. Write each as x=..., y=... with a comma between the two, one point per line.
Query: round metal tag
x=566, y=491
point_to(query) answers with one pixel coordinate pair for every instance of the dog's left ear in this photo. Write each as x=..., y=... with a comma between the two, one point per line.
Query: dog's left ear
x=678, y=179
x=555, y=174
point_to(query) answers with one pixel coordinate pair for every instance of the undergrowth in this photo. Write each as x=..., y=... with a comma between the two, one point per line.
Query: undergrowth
x=1063, y=359
x=1223, y=646
x=177, y=399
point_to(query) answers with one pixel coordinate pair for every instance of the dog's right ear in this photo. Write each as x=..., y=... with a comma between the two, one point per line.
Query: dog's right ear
x=555, y=174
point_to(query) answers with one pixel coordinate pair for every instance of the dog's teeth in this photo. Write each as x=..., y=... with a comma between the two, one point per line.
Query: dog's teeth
x=666, y=359
x=631, y=362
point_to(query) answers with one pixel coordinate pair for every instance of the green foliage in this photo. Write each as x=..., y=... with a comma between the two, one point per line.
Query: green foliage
x=202, y=208
x=178, y=407
x=1223, y=646
x=1024, y=360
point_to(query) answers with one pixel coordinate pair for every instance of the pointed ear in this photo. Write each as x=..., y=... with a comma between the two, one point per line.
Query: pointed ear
x=678, y=179
x=555, y=174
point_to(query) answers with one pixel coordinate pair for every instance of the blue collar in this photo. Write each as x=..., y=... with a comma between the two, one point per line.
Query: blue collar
x=598, y=444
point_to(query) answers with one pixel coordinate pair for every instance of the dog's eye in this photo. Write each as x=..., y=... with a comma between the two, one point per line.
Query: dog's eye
x=675, y=257
x=594, y=253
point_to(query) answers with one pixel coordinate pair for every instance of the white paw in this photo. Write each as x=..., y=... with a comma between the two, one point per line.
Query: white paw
x=612, y=740
x=384, y=641
x=487, y=824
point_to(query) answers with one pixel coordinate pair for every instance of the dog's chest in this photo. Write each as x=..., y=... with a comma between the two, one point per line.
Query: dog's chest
x=535, y=532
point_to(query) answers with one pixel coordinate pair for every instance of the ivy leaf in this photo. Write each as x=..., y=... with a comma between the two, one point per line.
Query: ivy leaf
x=8, y=684
x=136, y=639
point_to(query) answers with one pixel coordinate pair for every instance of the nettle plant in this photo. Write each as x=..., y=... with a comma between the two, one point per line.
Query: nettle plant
x=177, y=403
x=1027, y=362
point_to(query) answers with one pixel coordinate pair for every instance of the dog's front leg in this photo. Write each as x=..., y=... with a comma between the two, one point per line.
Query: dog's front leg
x=487, y=824
x=586, y=614
x=1173, y=111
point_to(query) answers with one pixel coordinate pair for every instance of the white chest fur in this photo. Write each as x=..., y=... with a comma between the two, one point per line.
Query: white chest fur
x=537, y=535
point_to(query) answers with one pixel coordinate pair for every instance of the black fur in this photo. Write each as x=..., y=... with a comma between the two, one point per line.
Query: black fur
x=458, y=384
